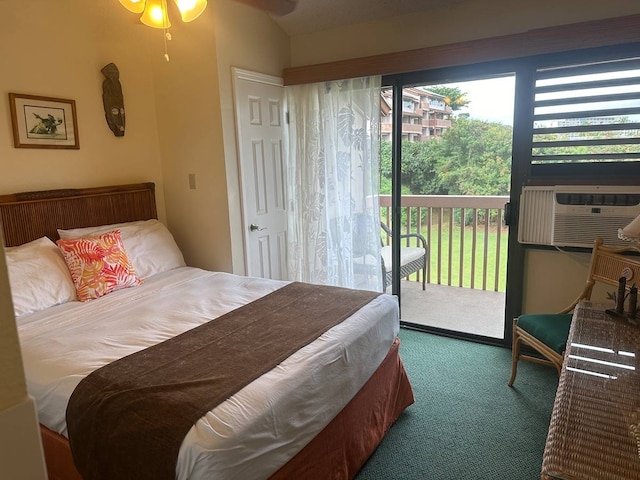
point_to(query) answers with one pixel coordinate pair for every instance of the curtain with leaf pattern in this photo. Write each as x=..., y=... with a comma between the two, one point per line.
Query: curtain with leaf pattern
x=333, y=183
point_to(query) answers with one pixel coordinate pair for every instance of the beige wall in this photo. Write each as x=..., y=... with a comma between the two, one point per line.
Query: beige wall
x=57, y=49
x=179, y=114
x=245, y=38
x=175, y=113
x=553, y=279
x=189, y=126
x=197, y=126
x=468, y=20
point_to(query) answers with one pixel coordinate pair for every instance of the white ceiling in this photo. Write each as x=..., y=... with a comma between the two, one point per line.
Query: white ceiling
x=315, y=15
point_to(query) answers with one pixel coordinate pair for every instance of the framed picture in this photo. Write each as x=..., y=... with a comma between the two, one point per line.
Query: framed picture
x=43, y=122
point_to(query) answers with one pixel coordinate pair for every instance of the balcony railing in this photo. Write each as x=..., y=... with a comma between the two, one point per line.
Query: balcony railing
x=439, y=122
x=466, y=236
x=411, y=128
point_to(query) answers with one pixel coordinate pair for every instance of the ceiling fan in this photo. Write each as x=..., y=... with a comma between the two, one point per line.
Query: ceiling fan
x=155, y=12
x=276, y=7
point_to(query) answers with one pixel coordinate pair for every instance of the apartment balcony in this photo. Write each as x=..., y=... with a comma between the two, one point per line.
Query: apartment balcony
x=386, y=127
x=466, y=269
x=416, y=112
x=411, y=128
x=406, y=128
x=438, y=123
x=440, y=107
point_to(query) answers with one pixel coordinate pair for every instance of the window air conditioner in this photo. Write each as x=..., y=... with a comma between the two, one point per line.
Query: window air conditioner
x=573, y=216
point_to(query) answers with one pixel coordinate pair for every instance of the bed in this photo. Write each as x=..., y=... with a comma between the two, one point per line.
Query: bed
x=319, y=413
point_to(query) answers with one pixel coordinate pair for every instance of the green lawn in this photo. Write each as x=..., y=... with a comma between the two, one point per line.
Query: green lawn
x=441, y=255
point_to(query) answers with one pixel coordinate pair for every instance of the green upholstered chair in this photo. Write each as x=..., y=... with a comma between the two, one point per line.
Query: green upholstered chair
x=547, y=333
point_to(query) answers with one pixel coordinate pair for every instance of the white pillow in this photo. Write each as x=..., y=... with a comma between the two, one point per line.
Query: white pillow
x=149, y=245
x=38, y=276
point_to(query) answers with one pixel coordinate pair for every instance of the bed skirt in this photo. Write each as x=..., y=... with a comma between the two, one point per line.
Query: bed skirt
x=339, y=451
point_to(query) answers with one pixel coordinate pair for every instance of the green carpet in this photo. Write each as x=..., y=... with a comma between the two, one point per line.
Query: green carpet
x=466, y=422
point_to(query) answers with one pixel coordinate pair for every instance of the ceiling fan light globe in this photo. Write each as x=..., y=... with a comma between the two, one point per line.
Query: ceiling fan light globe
x=191, y=9
x=155, y=14
x=135, y=6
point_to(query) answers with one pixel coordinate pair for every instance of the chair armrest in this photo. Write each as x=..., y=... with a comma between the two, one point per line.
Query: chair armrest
x=418, y=236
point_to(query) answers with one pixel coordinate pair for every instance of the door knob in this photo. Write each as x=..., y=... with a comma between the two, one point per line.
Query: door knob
x=253, y=227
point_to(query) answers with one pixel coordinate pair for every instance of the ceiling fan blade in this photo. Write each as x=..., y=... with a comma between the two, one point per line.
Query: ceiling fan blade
x=277, y=7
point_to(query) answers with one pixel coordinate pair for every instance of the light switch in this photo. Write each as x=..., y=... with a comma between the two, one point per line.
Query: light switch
x=192, y=181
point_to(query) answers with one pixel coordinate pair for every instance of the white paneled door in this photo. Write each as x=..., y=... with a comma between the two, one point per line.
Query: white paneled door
x=260, y=117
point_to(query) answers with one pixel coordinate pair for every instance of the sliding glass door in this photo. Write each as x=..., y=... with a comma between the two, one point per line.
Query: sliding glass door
x=445, y=179
x=462, y=142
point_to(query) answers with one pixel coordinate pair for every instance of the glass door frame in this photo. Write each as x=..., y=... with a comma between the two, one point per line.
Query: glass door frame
x=522, y=102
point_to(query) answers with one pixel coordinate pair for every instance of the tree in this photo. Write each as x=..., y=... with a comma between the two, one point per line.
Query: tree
x=473, y=157
x=577, y=137
x=453, y=96
x=418, y=175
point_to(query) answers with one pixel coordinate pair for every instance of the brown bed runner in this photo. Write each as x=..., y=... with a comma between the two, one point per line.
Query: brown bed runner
x=128, y=419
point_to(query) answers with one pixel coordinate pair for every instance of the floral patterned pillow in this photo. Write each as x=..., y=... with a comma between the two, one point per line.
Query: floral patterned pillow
x=98, y=265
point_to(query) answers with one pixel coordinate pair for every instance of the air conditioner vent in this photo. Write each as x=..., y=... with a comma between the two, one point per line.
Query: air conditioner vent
x=574, y=216
x=536, y=210
x=611, y=199
x=581, y=230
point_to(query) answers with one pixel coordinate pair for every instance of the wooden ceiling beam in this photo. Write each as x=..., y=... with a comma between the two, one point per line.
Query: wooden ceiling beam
x=597, y=33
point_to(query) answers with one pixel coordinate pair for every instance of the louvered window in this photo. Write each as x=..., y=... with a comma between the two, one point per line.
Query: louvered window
x=587, y=113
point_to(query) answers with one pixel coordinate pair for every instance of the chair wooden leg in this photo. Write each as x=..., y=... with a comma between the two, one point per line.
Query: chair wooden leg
x=515, y=354
x=558, y=367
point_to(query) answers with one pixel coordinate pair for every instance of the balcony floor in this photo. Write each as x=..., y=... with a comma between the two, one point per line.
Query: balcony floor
x=478, y=312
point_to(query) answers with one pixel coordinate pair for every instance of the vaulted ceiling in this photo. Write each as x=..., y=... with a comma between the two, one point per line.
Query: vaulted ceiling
x=310, y=16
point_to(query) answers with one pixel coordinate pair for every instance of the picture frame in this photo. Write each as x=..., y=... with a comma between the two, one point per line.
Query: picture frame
x=43, y=122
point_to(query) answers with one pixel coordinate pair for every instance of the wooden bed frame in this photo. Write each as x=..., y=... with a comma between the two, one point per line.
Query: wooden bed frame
x=28, y=216
x=337, y=452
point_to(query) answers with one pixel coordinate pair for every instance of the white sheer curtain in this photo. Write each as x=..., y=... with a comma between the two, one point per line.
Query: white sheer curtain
x=333, y=183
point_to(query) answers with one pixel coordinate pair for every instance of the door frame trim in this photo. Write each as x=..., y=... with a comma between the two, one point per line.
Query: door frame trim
x=242, y=74
x=515, y=258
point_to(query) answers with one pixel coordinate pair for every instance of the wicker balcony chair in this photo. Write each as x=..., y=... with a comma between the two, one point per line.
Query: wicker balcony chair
x=547, y=333
x=412, y=258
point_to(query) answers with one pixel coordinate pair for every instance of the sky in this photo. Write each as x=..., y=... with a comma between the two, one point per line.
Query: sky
x=491, y=99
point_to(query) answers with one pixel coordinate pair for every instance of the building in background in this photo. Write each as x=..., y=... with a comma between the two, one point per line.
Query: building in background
x=425, y=115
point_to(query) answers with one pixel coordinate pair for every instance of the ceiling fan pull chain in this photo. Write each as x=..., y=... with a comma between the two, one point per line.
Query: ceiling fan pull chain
x=167, y=36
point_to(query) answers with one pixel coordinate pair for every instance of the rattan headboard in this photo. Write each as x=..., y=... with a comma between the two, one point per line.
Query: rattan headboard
x=28, y=216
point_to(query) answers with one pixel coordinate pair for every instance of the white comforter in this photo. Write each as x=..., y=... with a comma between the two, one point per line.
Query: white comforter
x=257, y=430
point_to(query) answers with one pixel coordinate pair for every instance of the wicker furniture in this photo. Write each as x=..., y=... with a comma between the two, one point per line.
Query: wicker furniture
x=412, y=258
x=547, y=333
x=595, y=425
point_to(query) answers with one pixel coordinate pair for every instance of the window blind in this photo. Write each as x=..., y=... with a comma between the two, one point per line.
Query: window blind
x=587, y=113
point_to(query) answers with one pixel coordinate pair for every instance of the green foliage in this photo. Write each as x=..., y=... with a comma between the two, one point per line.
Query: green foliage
x=414, y=170
x=473, y=157
x=453, y=96
x=587, y=149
